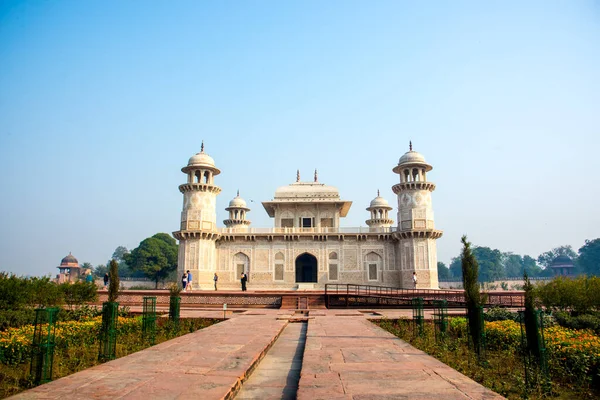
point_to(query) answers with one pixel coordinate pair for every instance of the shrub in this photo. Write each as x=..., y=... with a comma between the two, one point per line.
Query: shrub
x=82, y=313
x=16, y=318
x=79, y=293
x=499, y=314
x=581, y=294
x=584, y=321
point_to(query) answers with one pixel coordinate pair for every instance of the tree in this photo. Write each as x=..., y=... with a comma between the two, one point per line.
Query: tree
x=490, y=264
x=589, y=257
x=113, y=286
x=546, y=258
x=125, y=270
x=470, y=272
x=513, y=264
x=156, y=257
x=119, y=253
x=100, y=270
x=456, y=267
x=443, y=271
x=85, y=266
x=530, y=267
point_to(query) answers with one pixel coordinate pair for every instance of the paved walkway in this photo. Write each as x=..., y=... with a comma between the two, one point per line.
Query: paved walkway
x=351, y=358
x=208, y=364
x=345, y=357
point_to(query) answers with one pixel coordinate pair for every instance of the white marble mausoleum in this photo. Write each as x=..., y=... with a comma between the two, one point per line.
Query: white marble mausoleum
x=308, y=247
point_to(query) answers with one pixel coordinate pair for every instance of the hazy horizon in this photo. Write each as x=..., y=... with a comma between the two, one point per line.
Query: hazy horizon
x=102, y=104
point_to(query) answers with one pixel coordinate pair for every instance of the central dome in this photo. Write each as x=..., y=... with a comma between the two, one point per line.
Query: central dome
x=307, y=190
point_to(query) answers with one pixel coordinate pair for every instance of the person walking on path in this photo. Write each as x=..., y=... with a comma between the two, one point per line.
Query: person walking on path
x=106, y=279
x=184, y=281
x=216, y=279
x=189, y=281
x=89, y=278
x=415, y=279
x=243, y=279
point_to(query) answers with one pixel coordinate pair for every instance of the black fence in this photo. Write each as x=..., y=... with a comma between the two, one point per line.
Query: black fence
x=350, y=295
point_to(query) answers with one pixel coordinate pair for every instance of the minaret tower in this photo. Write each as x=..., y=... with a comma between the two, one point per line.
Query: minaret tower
x=198, y=233
x=416, y=231
x=379, y=209
x=237, y=214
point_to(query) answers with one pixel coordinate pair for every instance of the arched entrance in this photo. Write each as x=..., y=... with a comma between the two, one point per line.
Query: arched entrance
x=306, y=268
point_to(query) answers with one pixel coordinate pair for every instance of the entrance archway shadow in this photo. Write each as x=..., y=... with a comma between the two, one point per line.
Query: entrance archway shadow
x=306, y=268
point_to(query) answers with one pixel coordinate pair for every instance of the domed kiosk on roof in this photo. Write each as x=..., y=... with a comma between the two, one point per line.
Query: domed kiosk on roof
x=307, y=247
x=562, y=266
x=237, y=214
x=379, y=208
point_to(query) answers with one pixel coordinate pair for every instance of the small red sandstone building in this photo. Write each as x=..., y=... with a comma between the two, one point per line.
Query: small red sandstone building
x=68, y=270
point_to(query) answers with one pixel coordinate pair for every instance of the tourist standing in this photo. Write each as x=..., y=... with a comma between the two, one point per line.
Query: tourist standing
x=243, y=280
x=415, y=279
x=189, y=280
x=106, y=279
x=184, y=281
x=216, y=279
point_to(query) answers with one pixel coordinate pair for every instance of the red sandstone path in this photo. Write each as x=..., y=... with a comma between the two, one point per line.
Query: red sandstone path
x=345, y=357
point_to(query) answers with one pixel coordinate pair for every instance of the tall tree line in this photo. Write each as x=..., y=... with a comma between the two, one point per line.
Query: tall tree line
x=497, y=265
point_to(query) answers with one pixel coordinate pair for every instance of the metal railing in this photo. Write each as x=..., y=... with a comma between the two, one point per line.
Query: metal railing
x=361, y=295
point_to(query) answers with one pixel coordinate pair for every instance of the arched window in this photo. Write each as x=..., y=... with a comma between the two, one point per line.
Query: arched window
x=287, y=219
x=206, y=177
x=241, y=263
x=373, y=263
x=415, y=173
x=333, y=267
x=198, y=176
x=279, y=264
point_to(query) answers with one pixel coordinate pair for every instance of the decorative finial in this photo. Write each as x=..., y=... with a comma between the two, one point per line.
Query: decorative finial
x=410, y=145
x=377, y=192
x=202, y=147
x=316, y=178
x=297, y=175
x=238, y=194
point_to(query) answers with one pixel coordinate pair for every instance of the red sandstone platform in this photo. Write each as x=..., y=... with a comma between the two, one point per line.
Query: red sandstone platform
x=346, y=357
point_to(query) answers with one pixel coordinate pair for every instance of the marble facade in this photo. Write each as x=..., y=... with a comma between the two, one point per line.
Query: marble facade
x=307, y=247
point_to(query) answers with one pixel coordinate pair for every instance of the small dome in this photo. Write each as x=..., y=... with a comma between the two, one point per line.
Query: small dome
x=412, y=157
x=562, y=260
x=69, y=260
x=379, y=202
x=237, y=202
x=201, y=160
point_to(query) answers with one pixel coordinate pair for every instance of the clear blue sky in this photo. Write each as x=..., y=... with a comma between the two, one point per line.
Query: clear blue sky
x=102, y=103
